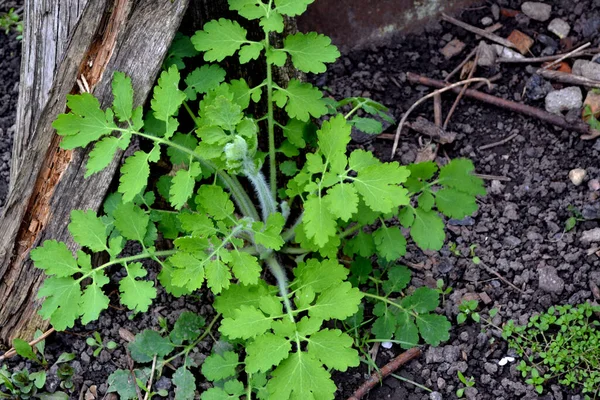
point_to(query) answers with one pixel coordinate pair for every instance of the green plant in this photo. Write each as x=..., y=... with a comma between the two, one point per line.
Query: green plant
x=95, y=342
x=466, y=309
x=467, y=383
x=561, y=344
x=443, y=291
x=229, y=221
x=476, y=260
x=23, y=384
x=153, y=351
x=12, y=20
x=575, y=217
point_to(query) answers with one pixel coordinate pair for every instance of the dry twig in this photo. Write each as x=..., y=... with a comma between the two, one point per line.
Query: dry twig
x=569, y=54
x=462, y=64
x=579, y=126
x=151, y=378
x=389, y=368
x=462, y=91
x=481, y=32
x=11, y=352
x=422, y=99
x=532, y=60
x=437, y=110
x=498, y=143
x=570, y=79
x=493, y=177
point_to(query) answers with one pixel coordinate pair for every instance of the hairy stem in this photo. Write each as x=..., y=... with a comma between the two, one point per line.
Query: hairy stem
x=279, y=275
x=271, y=126
x=240, y=196
x=266, y=200
x=124, y=260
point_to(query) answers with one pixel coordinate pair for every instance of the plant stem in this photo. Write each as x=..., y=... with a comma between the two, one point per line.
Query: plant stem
x=279, y=275
x=191, y=346
x=240, y=196
x=271, y=125
x=403, y=379
x=349, y=231
x=124, y=260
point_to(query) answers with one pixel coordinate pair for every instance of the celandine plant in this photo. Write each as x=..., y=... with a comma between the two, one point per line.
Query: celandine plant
x=230, y=223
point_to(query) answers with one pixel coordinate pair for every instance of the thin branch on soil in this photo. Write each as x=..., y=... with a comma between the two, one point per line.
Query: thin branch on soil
x=532, y=60
x=422, y=99
x=494, y=78
x=569, y=54
x=498, y=143
x=503, y=279
x=151, y=378
x=12, y=352
x=488, y=35
x=462, y=91
x=493, y=177
x=580, y=126
x=570, y=79
x=462, y=64
x=437, y=110
x=389, y=368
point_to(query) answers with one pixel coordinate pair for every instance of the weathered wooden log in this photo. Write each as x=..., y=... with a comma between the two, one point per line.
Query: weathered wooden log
x=69, y=40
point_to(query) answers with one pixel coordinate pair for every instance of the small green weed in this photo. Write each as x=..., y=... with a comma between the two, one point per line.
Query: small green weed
x=575, y=217
x=95, y=342
x=12, y=21
x=467, y=382
x=562, y=345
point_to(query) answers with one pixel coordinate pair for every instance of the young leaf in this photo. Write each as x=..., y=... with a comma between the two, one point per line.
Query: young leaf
x=428, y=230
x=187, y=327
x=215, y=201
x=134, y=175
x=300, y=376
x=181, y=48
x=310, y=51
x=94, y=301
x=422, y=300
x=61, y=306
x=217, y=366
x=122, y=382
x=292, y=8
x=398, y=278
x=245, y=267
x=185, y=384
x=203, y=79
x=367, y=125
x=390, y=242
x=266, y=351
x=182, y=186
x=88, y=230
x=24, y=350
x=458, y=174
x=86, y=122
x=454, y=203
x=136, y=294
x=334, y=349
x=247, y=322
x=384, y=326
x=434, y=329
x=407, y=333
x=55, y=258
x=319, y=275
x=102, y=154
x=219, y=39
x=337, y=302
x=148, y=344
x=378, y=185
x=131, y=221
x=167, y=97
x=301, y=100
x=319, y=223
x=270, y=235
x=123, y=96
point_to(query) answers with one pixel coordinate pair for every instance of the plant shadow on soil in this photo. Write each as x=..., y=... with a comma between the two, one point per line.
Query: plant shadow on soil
x=518, y=229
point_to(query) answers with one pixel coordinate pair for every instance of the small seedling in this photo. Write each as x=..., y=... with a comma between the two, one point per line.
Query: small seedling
x=468, y=309
x=575, y=217
x=444, y=292
x=95, y=341
x=453, y=247
x=467, y=383
x=12, y=21
x=476, y=260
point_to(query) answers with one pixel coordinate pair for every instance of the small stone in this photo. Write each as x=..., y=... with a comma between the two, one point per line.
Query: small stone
x=564, y=100
x=587, y=69
x=505, y=52
x=453, y=48
x=471, y=393
x=487, y=55
x=451, y=354
x=594, y=185
x=511, y=241
x=521, y=41
x=549, y=281
x=537, y=87
x=434, y=355
x=590, y=236
x=435, y=396
x=496, y=11
x=490, y=368
x=497, y=187
x=466, y=221
x=486, y=21
x=464, y=336
x=163, y=383
x=559, y=27
x=577, y=176
x=485, y=298
x=536, y=10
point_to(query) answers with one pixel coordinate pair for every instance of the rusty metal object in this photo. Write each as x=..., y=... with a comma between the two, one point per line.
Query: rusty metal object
x=358, y=23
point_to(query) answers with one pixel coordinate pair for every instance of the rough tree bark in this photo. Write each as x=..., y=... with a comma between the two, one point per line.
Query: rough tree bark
x=66, y=41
